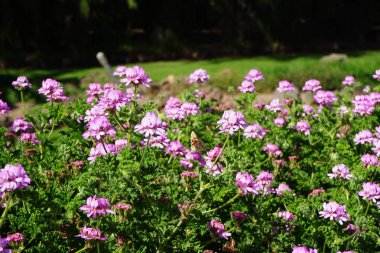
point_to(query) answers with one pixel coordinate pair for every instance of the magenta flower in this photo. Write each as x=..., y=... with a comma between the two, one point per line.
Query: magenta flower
x=4, y=108
x=274, y=106
x=91, y=234
x=285, y=86
x=326, y=98
x=246, y=183
x=190, y=108
x=135, y=75
x=281, y=189
x=348, y=80
x=21, y=82
x=255, y=131
x=307, y=109
x=29, y=137
x=237, y=215
x=212, y=167
x=303, y=249
x=272, y=150
x=150, y=125
x=303, y=127
x=99, y=150
x=94, y=89
x=17, y=237
x=334, y=211
x=199, y=76
x=95, y=112
x=247, y=86
x=120, y=71
x=52, y=90
x=189, y=174
x=364, y=105
x=316, y=192
x=121, y=144
x=369, y=160
x=113, y=100
x=13, y=177
x=156, y=141
x=99, y=129
x=340, y=171
x=312, y=85
x=279, y=121
x=254, y=75
x=20, y=125
x=231, y=122
x=286, y=216
x=377, y=75
x=218, y=228
x=175, y=148
x=363, y=137
x=264, y=182
x=96, y=206
x=371, y=191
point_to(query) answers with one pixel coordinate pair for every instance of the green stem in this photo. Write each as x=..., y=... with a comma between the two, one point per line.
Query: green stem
x=98, y=247
x=118, y=121
x=366, y=211
x=220, y=153
x=5, y=212
x=82, y=249
x=22, y=101
x=143, y=156
x=225, y=204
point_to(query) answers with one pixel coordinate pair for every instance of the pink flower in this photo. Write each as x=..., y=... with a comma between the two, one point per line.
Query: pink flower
x=121, y=144
x=312, y=85
x=175, y=148
x=135, y=75
x=13, y=177
x=340, y=171
x=199, y=76
x=91, y=234
x=120, y=71
x=348, y=80
x=371, y=191
x=363, y=137
x=255, y=131
x=247, y=86
x=21, y=82
x=101, y=149
x=246, y=183
x=190, y=108
x=231, y=122
x=17, y=237
x=377, y=75
x=285, y=86
x=156, y=141
x=150, y=125
x=123, y=206
x=274, y=106
x=364, y=105
x=96, y=206
x=286, y=216
x=303, y=249
x=52, y=90
x=303, y=127
x=199, y=94
x=282, y=188
x=369, y=160
x=279, y=121
x=316, y=192
x=99, y=128
x=264, y=183
x=326, y=98
x=4, y=108
x=272, y=150
x=189, y=174
x=20, y=125
x=113, y=100
x=29, y=137
x=334, y=211
x=254, y=75
x=95, y=112
x=218, y=228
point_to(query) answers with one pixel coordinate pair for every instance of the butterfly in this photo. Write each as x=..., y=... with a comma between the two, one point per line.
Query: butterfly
x=196, y=144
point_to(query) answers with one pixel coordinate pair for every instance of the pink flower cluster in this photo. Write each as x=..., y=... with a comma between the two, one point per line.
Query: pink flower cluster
x=91, y=234
x=340, y=171
x=334, y=211
x=231, y=122
x=255, y=131
x=262, y=184
x=219, y=229
x=154, y=130
x=96, y=206
x=25, y=130
x=303, y=127
x=4, y=108
x=199, y=76
x=21, y=82
x=325, y=98
x=214, y=167
x=13, y=177
x=272, y=150
x=135, y=75
x=312, y=85
x=303, y=249
x=285, y=86
x=52, y=90
x=371, y=191
x=175, y=109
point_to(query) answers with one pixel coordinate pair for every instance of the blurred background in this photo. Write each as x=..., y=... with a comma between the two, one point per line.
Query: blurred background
x=290, y=40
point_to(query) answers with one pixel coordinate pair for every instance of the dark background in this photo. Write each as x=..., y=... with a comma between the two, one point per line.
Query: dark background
x=51, y=34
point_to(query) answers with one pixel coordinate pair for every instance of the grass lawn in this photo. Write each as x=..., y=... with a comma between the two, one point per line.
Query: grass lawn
x=223, y=72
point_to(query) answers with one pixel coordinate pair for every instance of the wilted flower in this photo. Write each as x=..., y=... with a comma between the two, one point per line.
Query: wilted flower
x=343, y=110
x=237, y=215
x=369, y=160
x=334, y=211
x=303, y=127
x=199, y=94
x=376, y=75
x=199, y=76
x=96, y=206
x=348, y=80
x=246, y=183
x=4, y=108
x=317, y=192
x=135, y=75
x=363, y=137
x=285, y=86
x=123, y=206
x=218, y=228
x=247, y=86
x=274, y=105
x=231, y=122
x=312, y=85
x=371, y=191
x=340, y=171
x=91, y=234
x=254, y=131
x=13, y=177
x=150, y=125
x=52, y=90
x=21, y=82
x=189, y=174
x=254, y=75
x=272, y=150
x=326, y=98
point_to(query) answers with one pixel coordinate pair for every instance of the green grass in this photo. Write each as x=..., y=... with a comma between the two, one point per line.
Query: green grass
x=223, y=72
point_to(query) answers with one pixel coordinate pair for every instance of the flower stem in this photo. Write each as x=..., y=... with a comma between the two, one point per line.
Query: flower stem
x=118, y=121
x=5, y=212
x=82, y=249
x=146, y=147
x=220, y=153
x=22, y=100
x=223, y=205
